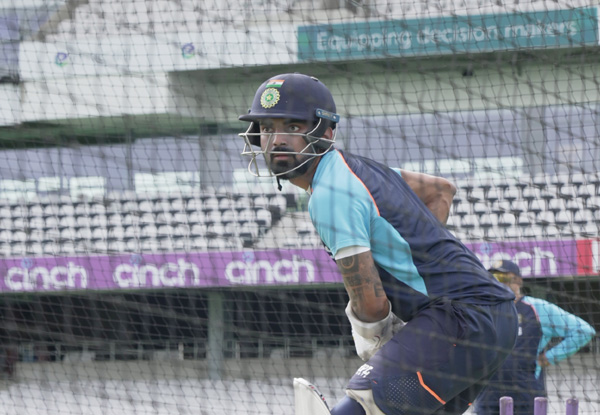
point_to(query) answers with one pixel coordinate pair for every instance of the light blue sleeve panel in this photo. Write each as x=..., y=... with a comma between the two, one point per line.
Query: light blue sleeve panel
x=340, y=207
x=556, y=322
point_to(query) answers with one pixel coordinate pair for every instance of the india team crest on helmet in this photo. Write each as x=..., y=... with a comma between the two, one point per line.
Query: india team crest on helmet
x=269, y=98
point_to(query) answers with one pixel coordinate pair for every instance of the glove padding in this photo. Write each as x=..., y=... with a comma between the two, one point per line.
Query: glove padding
x=370, y=337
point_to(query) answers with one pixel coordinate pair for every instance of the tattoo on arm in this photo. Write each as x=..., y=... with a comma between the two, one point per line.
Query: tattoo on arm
x=361, y=280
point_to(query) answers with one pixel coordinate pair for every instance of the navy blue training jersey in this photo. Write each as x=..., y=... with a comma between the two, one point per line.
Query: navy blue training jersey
x=358, y=202
x=519, y=369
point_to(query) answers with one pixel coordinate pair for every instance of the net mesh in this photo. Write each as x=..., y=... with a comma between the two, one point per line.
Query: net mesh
x=145, y=270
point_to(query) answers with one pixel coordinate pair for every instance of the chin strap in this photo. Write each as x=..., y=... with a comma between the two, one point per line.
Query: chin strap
x=279, y=187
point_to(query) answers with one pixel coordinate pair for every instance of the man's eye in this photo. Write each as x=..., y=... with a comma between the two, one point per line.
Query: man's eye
x=265, y=130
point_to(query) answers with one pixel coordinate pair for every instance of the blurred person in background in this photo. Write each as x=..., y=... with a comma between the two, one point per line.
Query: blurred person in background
x=522, y=375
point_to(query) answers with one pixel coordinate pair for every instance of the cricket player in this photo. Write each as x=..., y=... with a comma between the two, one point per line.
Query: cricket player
x=522, y=375
x=453, y=325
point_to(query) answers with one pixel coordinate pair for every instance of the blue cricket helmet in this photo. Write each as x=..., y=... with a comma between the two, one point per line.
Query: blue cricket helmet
x=294, y=96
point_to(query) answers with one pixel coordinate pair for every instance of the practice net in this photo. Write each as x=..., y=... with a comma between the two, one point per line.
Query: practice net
x=145, y=270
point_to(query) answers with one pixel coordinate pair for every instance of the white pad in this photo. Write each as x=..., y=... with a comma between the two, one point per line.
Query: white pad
x=308, y=399
x=365, y=399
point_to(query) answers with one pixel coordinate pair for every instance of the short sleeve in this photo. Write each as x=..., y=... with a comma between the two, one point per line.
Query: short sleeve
x=341, y=212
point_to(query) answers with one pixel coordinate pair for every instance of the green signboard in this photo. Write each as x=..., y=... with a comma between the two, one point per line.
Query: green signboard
x=445, y=35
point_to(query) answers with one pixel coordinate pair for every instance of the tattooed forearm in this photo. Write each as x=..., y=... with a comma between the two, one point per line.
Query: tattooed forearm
x=362, y=283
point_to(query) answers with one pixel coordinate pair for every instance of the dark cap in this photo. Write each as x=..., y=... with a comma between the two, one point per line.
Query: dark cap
x=505, y=266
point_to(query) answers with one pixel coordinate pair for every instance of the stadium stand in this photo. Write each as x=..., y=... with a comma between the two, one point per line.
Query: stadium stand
x=529, y=209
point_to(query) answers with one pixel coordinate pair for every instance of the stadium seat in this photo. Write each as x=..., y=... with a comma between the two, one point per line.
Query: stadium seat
x=165, y=244
x=475, y=195
x=148, y=231
x=550, y=232
x=229, y=215
x=590, y=230
x=547, y=193
x=5, y=211
x=584, y=192
x=198, y=243
x=211, y=203
x=246, y=215
x=279, y=203
x=213, y=216
x=530, y=193
x=215, y=229
x=217, y=244
x=36, y=210
x=562, y=218
x=556, y=205
x=506, y=220
x=462, y=210
x=264, y=218
x=560, y=179
x=99, y=233
x=567, y=192
x=540, y=181
x=198, y=229
x=34, y=249
x=453, y=222
x=593, y=203
x=225, y=203
x=100, y=246
x=260, y=201
x=82, y=221
x=511, y=194
x=116, y=246
x=518, y=207
x=148, y=245
x=145, y=206
x=536, y=206
x=181, y=230
x=249, y=231
x=194, y=205
x=146, y=219
x=163, y=218
x=181, y=244
x=525, y=220
x=196, y=216
x=469, y=221
x=83, y=234
x=98, y=220
x=36, y=222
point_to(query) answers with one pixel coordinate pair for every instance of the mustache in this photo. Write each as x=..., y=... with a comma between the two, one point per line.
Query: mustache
x=282, y=150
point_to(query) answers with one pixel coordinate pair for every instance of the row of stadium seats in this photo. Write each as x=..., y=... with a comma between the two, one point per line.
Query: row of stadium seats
x=60, y=226
x=543, y=206
x=262, y=216
x=108, y=247
x=507, y=210
x=66, y=207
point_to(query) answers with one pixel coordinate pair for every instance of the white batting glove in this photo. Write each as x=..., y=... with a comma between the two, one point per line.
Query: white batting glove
x=370, y=337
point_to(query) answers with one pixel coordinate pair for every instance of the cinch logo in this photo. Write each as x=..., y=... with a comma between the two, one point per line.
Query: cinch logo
x=169, y=274
x=262, y=271
x=55, y=278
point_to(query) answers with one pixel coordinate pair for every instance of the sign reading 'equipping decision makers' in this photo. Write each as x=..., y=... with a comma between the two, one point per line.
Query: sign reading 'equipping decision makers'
x=550, y=29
